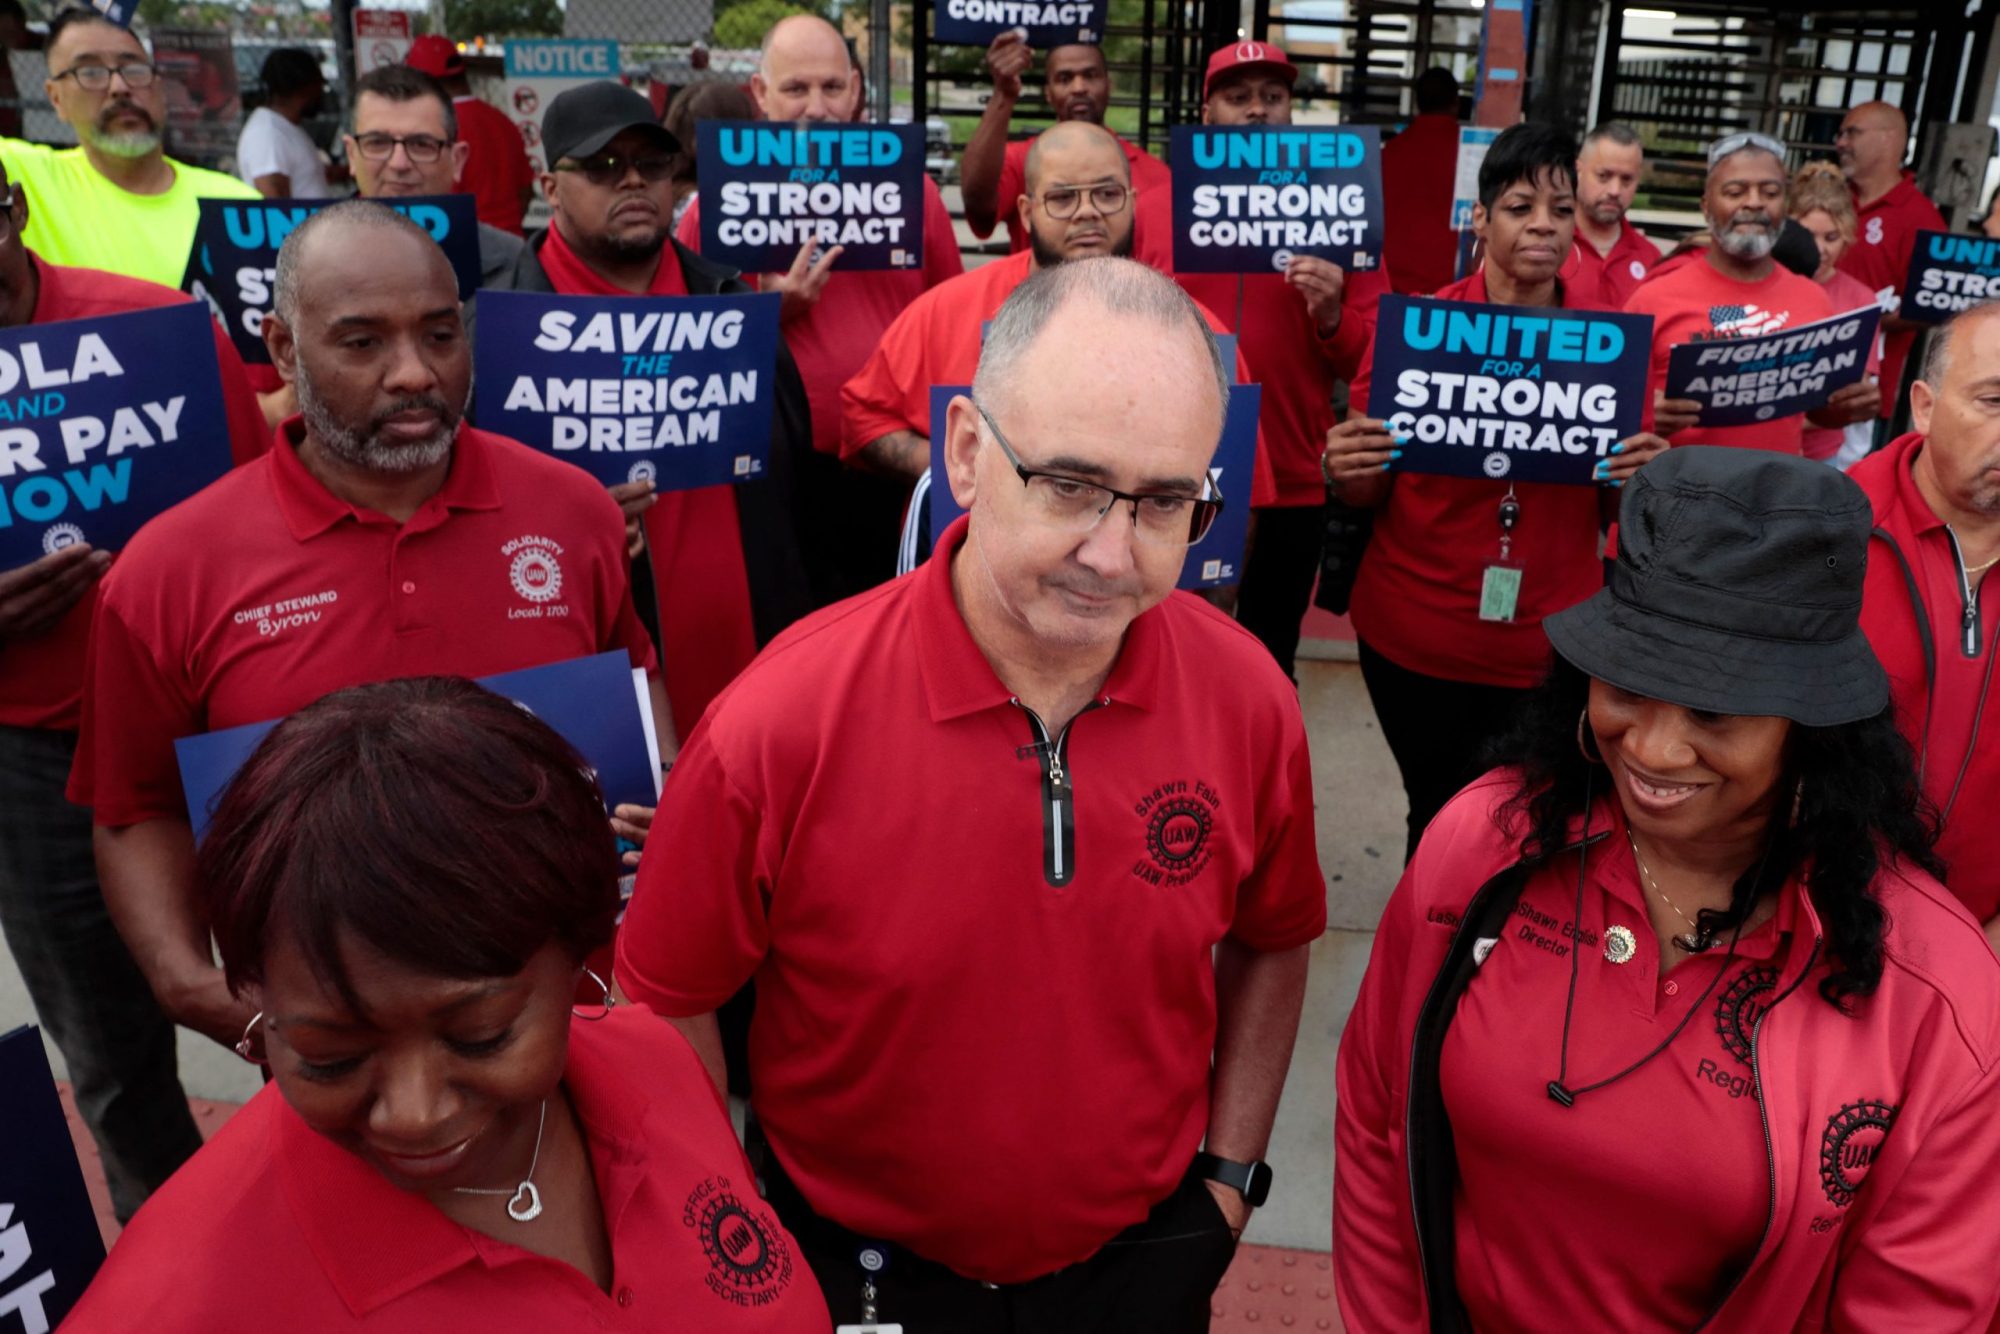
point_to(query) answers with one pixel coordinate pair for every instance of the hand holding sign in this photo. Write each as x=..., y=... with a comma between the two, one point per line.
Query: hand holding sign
x=800, y=287
x=1007, y=60
x=34, y=597
x=1323, y=285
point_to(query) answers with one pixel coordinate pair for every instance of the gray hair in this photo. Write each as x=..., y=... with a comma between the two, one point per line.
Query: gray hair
x=360, y=212
x=1117, y=286
x=1616, y=132
x=1937, y=352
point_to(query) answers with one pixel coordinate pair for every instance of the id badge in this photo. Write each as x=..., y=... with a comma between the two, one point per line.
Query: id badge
x=868, y=1329
x=1500, y=593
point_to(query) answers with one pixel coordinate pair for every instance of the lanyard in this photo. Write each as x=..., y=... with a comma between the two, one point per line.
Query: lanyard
x=1509, y=515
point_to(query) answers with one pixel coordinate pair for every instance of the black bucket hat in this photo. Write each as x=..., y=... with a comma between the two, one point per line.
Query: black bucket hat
x=1737, y=590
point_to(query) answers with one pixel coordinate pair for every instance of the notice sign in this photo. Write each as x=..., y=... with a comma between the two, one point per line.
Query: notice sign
x=1949, y=273
x=1742, y=381
x=381, y=38
x=676, y=390
x=1515, y=392
x=103, y=424
x=1048, y=23
x=537, y=71
x=234, y=265
x=1249, y=197
x=768, y=189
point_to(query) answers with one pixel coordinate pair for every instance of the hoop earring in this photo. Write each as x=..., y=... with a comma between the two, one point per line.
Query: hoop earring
x=609, y=1003
x=244, y=1047
x=1583, y=739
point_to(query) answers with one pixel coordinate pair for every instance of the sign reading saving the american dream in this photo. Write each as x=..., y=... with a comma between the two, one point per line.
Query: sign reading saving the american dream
x=1949, y=273
x=1249, y=197
x=103, y=424
x=1048, y=23
x=49, y=1244
x=1755, y=376
x=1514, y=392
x=767, y=189
x=1214, y=562
x=234, y=263
x=676, y=390
x=599, y=705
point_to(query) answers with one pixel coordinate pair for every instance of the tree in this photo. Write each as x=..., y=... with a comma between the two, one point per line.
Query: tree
x=743, y=25
x=466, y=19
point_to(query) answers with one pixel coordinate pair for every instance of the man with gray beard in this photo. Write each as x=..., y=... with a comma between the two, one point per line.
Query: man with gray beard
x=1736, y=290
x=381, y=537
x=116, y=202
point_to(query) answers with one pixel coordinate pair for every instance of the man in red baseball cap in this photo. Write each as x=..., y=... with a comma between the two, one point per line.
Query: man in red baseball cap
x=497, y=174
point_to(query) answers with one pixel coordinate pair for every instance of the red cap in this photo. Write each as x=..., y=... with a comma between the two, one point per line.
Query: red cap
x=1246, y=55
x=436, y=56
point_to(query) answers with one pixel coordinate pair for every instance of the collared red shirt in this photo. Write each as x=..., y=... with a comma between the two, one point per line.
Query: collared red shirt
x=1419, y=172
x=952, y=1051
x=1153, y=208
x=266, y=591
x=1619, y=271
x=497, y=169
x=274, y=1226
x=1880, y=258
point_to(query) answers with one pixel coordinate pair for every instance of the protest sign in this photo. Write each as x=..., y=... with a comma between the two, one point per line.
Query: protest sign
x=103, y=424
x=767, y=189
x=50, y=1248
x=1949, y=273
x=1249, y=197
x=537, y=71
x=677, y=390
x=234, y=264
x=1048, y=23
x=381, y=38
x=1514, y=392
x=1742, y=381
x=197, y=71
x=599, y=705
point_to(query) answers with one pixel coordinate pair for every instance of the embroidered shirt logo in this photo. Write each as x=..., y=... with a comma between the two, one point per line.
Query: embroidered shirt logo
x=1853, y=1138
x=1180, y=817
x=1873, y=231
x=1742, y=1004
x=749, y=1261
x=533, y=568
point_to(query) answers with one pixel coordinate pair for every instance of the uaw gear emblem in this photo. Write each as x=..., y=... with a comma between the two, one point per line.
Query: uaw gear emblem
x=60, y=535
x=1854, y=1137
x=1619, y=944
x=534, y=570
x=643, y=471
x=749, y=1261
x=1742, y=1004
x=1496, y=464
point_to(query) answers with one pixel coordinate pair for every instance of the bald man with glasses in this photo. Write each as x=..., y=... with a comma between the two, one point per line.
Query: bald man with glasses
x=1872, y=141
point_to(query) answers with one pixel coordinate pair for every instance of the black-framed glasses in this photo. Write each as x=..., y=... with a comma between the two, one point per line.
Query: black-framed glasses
x=96, y=78
x=423, y=149
x=1061, y=201
x=609, y=168
x=1076, y=506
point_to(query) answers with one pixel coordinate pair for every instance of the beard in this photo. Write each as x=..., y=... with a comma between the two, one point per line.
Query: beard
x=1747, y=237
x=364, y=448
x=124, y=143
x=1605, y=212
x=1047, y=256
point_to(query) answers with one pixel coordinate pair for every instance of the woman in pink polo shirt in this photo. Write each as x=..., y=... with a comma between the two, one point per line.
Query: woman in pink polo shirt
x=404, y=880
x=1820, y=202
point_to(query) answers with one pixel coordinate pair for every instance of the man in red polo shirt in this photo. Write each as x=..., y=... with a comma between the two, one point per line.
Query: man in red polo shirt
x=1871, y=143
x=379, y=538
x=1302, y=329
x=1020, y=853
x=993, y=172
x=1736, y=290
x=496, y=171
x=834, y=317
x=1419, y=172
x=1937, y=536
x=1607, y=176
x=87, y=993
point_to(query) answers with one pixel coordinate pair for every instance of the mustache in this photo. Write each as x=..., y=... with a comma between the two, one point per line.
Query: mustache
x=414, y=403
x=125, y=106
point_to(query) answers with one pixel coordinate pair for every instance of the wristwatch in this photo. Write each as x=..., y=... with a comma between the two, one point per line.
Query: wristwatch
x=1250, y=1180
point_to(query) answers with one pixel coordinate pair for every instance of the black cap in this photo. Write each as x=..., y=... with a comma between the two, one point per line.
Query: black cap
x=1796, y=249
x=1737, y=590
x=583, y=120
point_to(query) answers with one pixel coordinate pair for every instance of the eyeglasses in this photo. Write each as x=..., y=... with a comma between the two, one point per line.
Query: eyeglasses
x=1061, y=202
x=1076, y=506
x=423, y=149
x=1736, y=143
x=96, y=78
x=609, y=168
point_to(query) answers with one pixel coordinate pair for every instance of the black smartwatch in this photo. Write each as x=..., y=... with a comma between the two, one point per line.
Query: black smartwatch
x=1250, y=1180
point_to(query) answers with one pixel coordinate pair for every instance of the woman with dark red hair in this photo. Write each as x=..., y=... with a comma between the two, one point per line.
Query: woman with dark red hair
x=405, y=880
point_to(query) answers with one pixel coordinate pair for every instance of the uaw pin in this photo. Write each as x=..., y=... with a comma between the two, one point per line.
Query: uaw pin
x=873, y=1257
x=1620, y=944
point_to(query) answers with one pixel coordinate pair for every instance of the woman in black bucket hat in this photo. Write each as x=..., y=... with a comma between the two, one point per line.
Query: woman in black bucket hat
x=1669, y=1024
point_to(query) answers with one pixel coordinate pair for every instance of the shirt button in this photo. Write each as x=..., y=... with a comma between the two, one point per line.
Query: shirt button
x=1673, y=988
x=624, y=1296
x=409, y=587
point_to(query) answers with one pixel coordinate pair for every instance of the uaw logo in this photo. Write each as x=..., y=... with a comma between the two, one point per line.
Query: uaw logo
x=1496, y=464
x=533, y=569
x=749, y=1261
x=1180, y=818
x=60, y=535
x=1741, y=1006
x=643, y=471
x=1281, y=260
x=1854, y=1137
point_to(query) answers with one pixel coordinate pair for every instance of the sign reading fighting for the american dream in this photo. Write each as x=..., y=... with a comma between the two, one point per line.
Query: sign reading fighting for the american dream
x=103, y=424
x=50, y=1248
x=1949, y=273
x=1755, y=377
x=1214, y=562
x=1249, y=197
x=672, y=389
x=767, y=189
x=1515, y=392
x=1047, y=23
x=598, y=704
x=234, y=264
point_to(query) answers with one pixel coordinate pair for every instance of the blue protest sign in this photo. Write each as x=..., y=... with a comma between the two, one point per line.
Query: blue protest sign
x=1249, y=197
x=50, y=1248
x=1214, y=562
x=1519, y=392
x=234, y=263
x=103, y=424
x=596, y=703
x=1048, y=23
x=768, y=189
x=1949, y=273
x=1742, y=381
x=672, y=388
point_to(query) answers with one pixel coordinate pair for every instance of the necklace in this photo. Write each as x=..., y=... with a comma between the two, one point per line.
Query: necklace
x=1971, y=570
x=1693, y=944
x=525, y=1206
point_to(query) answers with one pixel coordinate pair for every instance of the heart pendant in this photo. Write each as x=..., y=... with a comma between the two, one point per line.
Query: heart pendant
x=526, y=1206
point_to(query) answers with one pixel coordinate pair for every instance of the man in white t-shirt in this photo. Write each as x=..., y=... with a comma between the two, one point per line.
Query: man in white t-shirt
x=273, y=153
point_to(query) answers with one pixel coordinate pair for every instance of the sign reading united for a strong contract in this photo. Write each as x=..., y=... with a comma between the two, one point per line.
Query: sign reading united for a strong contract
x=1247, y=198
x=1948, y=274
x=1048, y=23
x=767, y=190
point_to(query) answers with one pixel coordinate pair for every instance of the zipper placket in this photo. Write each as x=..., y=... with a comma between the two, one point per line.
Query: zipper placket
x=1969, y=622
x=1058, y=796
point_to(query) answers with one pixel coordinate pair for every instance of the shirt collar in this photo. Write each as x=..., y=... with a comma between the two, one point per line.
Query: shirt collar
x=310, y=509
x=1917, y=511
